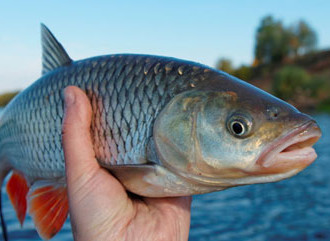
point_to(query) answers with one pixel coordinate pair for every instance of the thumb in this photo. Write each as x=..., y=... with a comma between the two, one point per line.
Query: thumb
x=80, y=162
x=82, y=168
x=94, y=194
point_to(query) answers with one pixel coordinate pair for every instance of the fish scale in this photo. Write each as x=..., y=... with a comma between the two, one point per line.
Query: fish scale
x=125, y=102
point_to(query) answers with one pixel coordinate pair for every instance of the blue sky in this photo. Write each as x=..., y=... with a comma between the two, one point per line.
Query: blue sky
x=202, y=31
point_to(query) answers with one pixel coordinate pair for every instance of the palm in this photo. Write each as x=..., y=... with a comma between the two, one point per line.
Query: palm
x=110, y=214
x=170, y=219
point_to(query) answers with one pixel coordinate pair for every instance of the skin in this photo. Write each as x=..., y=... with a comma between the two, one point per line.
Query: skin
x=100, y=208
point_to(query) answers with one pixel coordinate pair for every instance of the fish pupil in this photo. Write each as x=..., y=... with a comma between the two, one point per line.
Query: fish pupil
x=237, y=128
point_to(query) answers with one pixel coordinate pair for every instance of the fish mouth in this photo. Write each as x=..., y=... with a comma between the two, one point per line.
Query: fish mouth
x=294, y=151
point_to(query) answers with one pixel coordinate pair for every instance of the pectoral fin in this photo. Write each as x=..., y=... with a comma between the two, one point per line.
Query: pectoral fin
x=17, y=189
x=155, y=181
x=48, y=206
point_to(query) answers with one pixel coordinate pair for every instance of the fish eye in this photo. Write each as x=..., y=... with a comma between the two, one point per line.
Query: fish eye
x=239, y=126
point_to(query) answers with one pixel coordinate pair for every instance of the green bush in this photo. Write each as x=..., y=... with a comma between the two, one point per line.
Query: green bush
x=243, y=72
x=324, y=106
x=6, y=97
x=225, y=65
x=319, y=86
x=291, y=81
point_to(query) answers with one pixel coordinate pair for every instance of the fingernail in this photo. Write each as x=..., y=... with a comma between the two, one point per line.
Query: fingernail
x=69, y=97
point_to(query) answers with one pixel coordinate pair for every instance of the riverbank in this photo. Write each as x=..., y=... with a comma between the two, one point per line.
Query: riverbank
x=304, y=82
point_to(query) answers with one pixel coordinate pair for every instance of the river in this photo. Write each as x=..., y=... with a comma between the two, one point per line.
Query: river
x=293, y=209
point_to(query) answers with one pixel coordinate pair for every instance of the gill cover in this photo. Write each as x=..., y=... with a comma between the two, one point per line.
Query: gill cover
x=190, y=134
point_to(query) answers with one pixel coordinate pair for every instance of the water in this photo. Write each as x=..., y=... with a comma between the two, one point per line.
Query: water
x=294, y=209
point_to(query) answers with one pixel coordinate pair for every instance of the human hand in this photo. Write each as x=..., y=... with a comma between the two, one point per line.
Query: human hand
x=100, y=208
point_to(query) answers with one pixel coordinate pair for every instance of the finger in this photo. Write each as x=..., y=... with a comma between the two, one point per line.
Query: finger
x=95, y=196
x=83, y=172
x=77, y=145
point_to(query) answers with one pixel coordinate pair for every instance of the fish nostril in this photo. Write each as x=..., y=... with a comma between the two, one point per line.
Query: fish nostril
x=273, y=113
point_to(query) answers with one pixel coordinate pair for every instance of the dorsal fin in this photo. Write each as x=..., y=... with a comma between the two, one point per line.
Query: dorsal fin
x=53, y=53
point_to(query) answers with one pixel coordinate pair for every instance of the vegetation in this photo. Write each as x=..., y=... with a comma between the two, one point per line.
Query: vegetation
x=6, y=97
x=272, y=42
x=243, y=72
x=275, y=42
x=302, y=38
x=290, y=82
x=225, y=65
x=287, y=64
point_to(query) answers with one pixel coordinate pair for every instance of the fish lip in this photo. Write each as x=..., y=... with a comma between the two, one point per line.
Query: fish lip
x=303, y=133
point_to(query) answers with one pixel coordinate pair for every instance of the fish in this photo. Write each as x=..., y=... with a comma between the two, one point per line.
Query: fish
x=164, y=127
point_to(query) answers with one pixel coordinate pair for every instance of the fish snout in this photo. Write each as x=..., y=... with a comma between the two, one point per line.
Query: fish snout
x=292, y=151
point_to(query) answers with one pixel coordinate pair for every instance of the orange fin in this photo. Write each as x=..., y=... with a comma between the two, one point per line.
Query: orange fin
x=17, y=190
x=48, y=206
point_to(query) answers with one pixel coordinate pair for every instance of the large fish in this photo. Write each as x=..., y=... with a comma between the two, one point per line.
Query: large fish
x=162, y=126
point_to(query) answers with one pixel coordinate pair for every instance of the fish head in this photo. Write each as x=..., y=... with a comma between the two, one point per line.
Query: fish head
x=227, y=133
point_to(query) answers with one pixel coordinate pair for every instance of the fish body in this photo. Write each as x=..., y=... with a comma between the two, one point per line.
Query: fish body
x=127, y=93
x=162, y=126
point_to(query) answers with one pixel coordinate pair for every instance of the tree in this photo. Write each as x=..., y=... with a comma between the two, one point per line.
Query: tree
x=275, y=42
x=304, y=36
x=272, y=41
x=225, y=65
x=243, y=72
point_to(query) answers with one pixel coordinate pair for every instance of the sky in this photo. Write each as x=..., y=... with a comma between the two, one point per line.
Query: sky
x=201, y=31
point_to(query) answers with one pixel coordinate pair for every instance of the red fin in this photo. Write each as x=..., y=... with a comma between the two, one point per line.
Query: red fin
x=48, y=206
x=17, y=190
